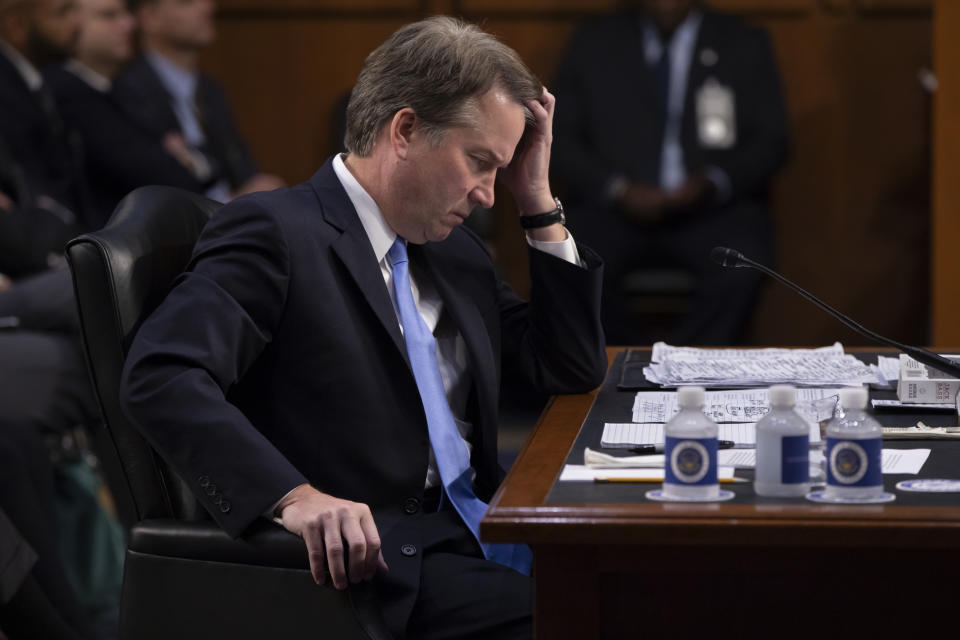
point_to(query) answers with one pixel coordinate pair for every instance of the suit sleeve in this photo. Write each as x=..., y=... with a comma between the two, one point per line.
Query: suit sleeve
x=556, y=340
x=219, y=316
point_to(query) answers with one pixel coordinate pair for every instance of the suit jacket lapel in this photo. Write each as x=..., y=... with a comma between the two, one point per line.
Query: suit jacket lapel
x=354, y=251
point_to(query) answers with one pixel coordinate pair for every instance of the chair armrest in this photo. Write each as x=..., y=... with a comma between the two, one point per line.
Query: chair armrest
x=264, y=544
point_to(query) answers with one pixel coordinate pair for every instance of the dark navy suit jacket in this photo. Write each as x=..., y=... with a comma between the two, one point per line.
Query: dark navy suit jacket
x=120, y=154
x=38, y=157
x=277, y=358
x=47, y=158
x=143, y=95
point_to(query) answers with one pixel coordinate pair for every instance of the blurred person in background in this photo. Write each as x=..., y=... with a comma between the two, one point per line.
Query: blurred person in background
x=166, y=92
x=45, y=389
x=671, y=128
x=41, y=198
x=120, y=153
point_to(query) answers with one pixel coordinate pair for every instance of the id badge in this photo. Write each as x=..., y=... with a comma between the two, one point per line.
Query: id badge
x=716, y=116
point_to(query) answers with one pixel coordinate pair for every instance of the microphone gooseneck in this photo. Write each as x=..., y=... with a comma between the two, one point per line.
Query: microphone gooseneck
x=732, y=258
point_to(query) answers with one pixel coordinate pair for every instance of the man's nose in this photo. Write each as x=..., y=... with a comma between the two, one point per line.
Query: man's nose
x=482, y=194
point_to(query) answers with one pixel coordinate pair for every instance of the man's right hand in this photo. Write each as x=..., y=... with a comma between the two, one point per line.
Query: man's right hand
x=326, y=523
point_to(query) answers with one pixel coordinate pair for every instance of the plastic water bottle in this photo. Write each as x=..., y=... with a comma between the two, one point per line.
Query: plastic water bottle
x=783, y=447
x=854, y=450
x=690, y=470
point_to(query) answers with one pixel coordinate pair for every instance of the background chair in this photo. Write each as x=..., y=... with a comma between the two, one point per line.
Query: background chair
x=183, y=576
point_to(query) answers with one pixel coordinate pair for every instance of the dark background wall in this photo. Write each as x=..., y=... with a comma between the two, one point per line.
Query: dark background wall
x=852, y=208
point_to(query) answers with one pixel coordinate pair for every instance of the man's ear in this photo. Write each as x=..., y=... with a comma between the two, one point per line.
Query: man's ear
x=402, y=130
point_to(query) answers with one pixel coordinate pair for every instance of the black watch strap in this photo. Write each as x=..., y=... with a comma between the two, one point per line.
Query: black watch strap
x=544, y=219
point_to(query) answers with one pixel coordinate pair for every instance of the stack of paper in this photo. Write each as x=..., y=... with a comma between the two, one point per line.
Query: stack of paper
x=676, y=366
x=738, y=405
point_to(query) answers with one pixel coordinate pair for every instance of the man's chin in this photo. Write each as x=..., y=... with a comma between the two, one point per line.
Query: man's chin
x=438, y=235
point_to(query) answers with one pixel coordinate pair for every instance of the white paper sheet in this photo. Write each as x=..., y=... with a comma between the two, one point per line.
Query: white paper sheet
x=739, y=405
x=896, y=404
x=583, y=473
x=889, y=368
x=892, y=460
x=676, y=366
x=737, y=458
x=662, y=351
x=904, y=460
x=632, y=434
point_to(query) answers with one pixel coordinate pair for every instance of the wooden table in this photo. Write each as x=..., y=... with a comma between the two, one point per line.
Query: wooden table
x=620, y=566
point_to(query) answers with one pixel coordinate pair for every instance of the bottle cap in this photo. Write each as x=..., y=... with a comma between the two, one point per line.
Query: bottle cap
x=690, y=397
x=853, y=398
x=783, y=395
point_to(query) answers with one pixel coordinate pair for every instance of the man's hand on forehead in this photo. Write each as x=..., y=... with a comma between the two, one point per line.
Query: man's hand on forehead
x=527, y=177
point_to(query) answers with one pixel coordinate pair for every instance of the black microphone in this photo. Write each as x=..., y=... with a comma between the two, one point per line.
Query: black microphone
x=732, y=258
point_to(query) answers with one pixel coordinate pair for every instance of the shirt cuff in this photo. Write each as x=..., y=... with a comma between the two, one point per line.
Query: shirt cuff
x=721, y=181
x=269, y=512
x=565, y=250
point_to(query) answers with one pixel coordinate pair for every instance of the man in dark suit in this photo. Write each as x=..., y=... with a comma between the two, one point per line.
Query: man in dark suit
x=120, y=153
x=334, y=353
x=45, y=384
x=670, y=128
x=165, y=91
x=39, y=178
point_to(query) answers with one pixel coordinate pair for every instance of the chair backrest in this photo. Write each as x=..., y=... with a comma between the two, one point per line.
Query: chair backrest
x=120, y=274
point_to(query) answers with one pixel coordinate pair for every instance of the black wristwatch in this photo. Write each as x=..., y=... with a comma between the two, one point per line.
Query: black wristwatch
x=544, y=219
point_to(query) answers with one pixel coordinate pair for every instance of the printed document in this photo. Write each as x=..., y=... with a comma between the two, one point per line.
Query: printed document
x=633, y=434
x=676, y=366
x=742, y=405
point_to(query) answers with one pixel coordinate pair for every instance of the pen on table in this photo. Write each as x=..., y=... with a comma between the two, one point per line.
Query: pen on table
x=613, y=480
x=645, y=449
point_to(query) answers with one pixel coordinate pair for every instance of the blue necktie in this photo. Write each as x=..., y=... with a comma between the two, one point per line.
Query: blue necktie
x=449, y=449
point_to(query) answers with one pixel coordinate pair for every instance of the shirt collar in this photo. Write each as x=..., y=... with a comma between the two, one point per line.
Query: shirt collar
x=378, y=231
x=684, y=35
x=93, y=78
x=177, y=80
x=29, y=72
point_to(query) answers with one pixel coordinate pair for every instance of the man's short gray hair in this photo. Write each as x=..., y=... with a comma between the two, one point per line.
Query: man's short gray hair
x=438, y=67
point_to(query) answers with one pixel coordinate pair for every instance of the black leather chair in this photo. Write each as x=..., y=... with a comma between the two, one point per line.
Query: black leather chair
x=183, y=576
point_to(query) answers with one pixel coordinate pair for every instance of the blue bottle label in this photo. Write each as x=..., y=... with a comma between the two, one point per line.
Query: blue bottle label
x=795, y=459
x=691, y=461
x=854, y=463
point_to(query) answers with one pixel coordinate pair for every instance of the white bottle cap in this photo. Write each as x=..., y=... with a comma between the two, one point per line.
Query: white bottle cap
x=690, y=397
x=783, y=395
x=853, y=398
